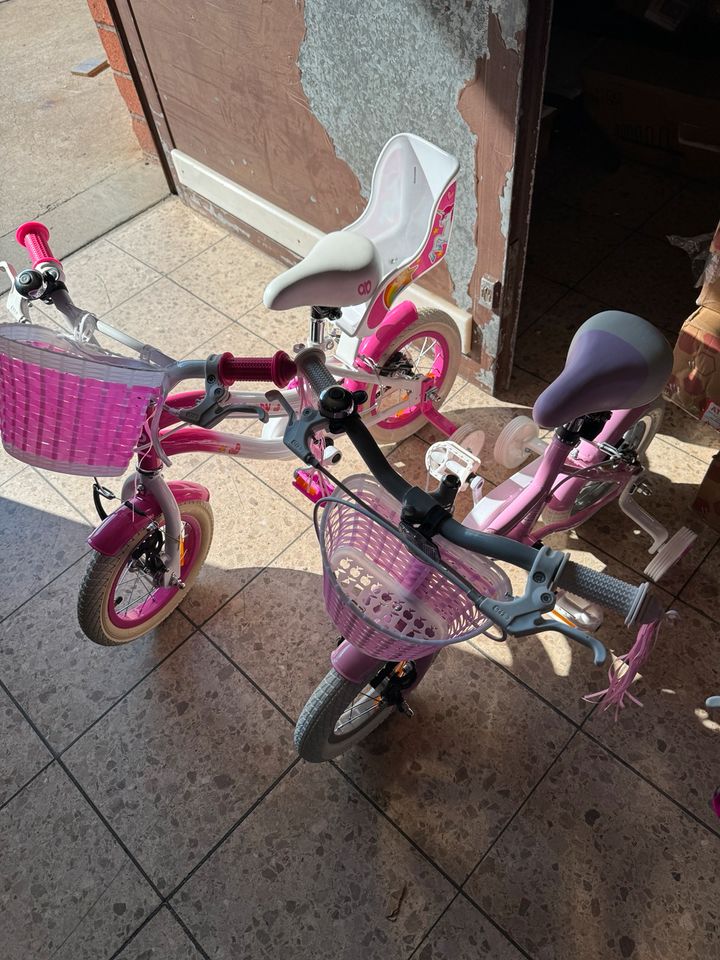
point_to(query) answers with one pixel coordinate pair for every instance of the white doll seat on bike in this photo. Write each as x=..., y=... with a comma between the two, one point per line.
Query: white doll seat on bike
x=401, y=234
x=616, y=361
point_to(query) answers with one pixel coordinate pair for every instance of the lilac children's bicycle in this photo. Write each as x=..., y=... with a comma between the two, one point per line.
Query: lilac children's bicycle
x=68, y=405
x=398, y=594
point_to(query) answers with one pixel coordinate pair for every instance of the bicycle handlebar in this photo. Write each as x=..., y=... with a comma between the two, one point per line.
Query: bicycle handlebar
x=34, y=236
x=278, y=369
x=615, y=594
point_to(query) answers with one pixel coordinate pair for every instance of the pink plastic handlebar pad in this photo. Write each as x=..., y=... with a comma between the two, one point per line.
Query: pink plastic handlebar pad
x=278, y=369
x=34, y=237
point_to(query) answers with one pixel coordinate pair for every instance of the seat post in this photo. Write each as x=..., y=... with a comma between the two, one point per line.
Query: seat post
x=318, y=316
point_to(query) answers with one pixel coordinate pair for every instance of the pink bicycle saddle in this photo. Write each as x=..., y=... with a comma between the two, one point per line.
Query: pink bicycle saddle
x=616, y=361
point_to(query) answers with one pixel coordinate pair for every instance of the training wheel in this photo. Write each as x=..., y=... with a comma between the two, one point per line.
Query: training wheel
x=712, y=702
x=516, y=441
x=669, y=554
x=470, y=437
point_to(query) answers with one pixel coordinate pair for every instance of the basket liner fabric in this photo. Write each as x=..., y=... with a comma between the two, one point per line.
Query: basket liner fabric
x=69, y=406
x=381, y=597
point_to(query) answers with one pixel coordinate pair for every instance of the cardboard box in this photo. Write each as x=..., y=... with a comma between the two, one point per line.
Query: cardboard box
x=658, y=108
x=694, y=384
x=707, y=501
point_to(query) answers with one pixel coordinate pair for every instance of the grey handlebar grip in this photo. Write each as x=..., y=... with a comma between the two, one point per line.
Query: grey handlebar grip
x=312, y=365
x=615, y=594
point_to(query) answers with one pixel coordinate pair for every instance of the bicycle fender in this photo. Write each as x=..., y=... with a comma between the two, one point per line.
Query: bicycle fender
x=401, y=317
x=122, y=525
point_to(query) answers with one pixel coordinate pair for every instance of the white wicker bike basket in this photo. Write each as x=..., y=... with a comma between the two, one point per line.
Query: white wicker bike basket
x=70, y=406
x=381, y=597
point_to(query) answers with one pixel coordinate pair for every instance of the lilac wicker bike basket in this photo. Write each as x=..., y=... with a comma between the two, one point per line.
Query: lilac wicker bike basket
x=69, y=406
x=383, y=599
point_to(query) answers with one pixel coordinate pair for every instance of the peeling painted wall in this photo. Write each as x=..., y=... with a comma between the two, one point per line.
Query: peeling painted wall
x=375, y=68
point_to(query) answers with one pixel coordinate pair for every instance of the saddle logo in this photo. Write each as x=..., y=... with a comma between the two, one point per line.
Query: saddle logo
x=364, y=288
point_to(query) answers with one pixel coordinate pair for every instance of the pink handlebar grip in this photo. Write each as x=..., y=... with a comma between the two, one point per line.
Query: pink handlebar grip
x=278, y=369
x=34, y=237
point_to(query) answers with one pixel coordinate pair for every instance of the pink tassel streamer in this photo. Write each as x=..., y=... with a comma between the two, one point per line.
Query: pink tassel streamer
x=617, y=693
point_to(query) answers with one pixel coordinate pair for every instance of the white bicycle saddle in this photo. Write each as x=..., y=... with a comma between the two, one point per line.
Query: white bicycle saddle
x=341, y=270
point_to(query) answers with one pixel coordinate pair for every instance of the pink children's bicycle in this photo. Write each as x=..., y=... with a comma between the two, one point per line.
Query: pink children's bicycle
x=386, y=582
x=70, y=406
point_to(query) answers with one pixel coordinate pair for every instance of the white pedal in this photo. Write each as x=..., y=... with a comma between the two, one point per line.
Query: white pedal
x=516, y=441
x=669, y=554
x=446, y=457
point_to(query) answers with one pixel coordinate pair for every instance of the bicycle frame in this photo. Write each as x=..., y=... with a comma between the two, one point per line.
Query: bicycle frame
x=556, y=484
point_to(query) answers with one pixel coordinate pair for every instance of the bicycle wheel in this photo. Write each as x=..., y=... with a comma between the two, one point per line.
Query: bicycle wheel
x=638, y=438
x=119, y=601
x=340, y=714
x=431, y=347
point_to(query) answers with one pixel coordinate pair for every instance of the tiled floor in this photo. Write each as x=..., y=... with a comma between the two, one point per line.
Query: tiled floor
x=151, y=807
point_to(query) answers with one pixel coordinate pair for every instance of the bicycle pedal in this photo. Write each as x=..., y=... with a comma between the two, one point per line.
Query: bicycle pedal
x=406, y=710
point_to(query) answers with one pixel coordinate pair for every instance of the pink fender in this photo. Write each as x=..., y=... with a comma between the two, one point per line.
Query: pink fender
x=122, y=525
x=398, y=319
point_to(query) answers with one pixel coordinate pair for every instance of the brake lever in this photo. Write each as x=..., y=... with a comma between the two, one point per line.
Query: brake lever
x=300, y=429
x=522, y=616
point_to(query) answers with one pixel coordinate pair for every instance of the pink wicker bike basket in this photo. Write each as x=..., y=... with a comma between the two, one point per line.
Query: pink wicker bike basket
x=69, y=406
x=383, y=599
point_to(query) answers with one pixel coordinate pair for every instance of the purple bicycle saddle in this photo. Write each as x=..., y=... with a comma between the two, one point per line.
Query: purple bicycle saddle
x=616, y=361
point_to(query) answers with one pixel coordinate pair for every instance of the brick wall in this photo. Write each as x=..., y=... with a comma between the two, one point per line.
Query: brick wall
x=116, y=58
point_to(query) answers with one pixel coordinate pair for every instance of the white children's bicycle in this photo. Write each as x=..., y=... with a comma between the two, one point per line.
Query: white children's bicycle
x=67, y=405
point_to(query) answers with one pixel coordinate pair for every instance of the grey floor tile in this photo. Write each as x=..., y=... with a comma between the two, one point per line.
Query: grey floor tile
x=463, y=933
x=252, y=526
x=702, y=591
x=560, y=670
x=22, y=752
x=69, y=892
x=565, y=243
x=598, y=864
x=41, y=535
x=693, y=211
x=542, y=349
x=628, y=195
x=62, y=679
x=454, y=774
x=277, y=629
x=314, y=872
x=243, y=273
x=79, y=490
x=167, y=316
x=101, y=276
x=673, y=478
x=281, y=328
x=167, y=235
x=181, y=758
x=694, y=438
x=673, y=740
x=646, y=276
x=538, y=295
x=9, y=466
x=162, y=938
